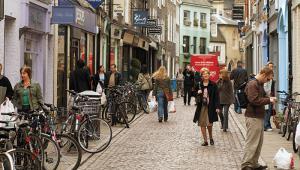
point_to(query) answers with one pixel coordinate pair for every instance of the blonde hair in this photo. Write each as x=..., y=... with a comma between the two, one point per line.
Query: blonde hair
x=204, y=70
x=161, y=73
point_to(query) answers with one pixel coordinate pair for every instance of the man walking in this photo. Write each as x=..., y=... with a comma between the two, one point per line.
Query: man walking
x=255, y=114
x=179, y=80
x=270, y=90
x=188, y=84
x=239, y=76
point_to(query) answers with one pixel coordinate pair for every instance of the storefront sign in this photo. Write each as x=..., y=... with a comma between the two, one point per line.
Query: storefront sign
x=75, y=16
x=238, y=13
x=140, y=18
x=1, y=10
x=155, y=30
x=80, y=18
x=151, y=23
x=118, y=7
x=95, y=3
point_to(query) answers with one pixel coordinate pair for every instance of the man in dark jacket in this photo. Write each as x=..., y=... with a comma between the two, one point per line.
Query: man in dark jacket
x=239, y=76
x=113, y=77
x=255, y=114
x=188, y=84
x=80, y=78
x=6, y=90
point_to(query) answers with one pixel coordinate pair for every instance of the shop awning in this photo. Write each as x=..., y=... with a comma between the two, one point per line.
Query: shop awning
x=128, y=38
x=153, y=45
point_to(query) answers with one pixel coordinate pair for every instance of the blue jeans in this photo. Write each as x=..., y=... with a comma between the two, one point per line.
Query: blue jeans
x=237, y=108
x=267, y=123
x=162, y=105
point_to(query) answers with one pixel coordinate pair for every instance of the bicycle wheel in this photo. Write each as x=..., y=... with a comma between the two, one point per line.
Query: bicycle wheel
x=32, y=143
x=6, y=161
x=106, y=114
x=126, y=110
x=68, y=126
x=94, y=135
x=24, y=160
x=289, y=126
x=284, y=124
x=295, y=146
x=51, y=152
x=143, y=103
x=70, y=152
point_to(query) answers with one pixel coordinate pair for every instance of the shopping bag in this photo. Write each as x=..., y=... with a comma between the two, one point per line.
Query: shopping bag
x=99, y=89
x=6, y=107
x=171, y=107
x=152, y=105
x=297, y=136
x=283, y=159
x=103, y=99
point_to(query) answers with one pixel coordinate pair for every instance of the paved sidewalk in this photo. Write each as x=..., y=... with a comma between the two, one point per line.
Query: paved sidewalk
x=175, y=144
x=272, y=142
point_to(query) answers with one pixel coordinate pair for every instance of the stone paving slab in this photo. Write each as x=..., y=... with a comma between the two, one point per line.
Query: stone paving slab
x=175, y=144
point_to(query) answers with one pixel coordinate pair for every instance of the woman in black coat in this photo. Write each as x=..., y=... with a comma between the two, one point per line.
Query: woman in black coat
x=208, y=106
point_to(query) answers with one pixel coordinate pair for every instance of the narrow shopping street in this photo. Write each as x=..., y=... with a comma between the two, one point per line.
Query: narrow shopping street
x=176, y=144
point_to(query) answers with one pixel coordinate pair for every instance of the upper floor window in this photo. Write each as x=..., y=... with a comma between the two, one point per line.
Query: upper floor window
x=202, y=45
x=186, y=44
x=196, y=19
x=203, y=23
x=187, y=18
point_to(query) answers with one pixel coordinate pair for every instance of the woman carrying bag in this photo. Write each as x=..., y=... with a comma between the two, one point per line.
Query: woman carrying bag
x=226, y=97
x=207, y=106
x=144, y=82
x=163, y=93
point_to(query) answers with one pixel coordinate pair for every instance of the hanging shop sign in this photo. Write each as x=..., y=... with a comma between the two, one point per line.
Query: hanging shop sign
x=118, y=7
x=95, y=3
x=155, y=30
x=151, y=23
x=140, y=18
x=238, y=13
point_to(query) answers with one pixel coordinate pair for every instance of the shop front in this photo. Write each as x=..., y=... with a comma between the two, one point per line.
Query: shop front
x=36, y=45
x=248, y=44
x=76, y=40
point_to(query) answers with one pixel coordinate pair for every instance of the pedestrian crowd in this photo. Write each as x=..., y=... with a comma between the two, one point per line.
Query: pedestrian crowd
x=213, y=99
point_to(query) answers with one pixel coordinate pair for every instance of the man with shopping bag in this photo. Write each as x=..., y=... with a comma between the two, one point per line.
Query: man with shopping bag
x=255, y=114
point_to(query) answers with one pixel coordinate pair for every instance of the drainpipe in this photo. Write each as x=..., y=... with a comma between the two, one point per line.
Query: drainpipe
x=268, y=35
x=290, y=46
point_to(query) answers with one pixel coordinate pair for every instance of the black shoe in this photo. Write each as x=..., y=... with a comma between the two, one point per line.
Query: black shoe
x=224, y=130
x=165, y=119
x=189, y=104
x=211, y=141
x=204, y=144
x=184, y=103
x=160, y=120
x=261, y=167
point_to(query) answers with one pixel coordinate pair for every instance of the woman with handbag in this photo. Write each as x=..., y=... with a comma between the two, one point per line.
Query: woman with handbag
x=226, y=97
x=163, y=93
x=207, y=106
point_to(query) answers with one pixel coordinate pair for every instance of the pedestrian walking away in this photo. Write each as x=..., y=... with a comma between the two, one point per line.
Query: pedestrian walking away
x=239, y=76
x=179, y=80
x=208, y=106
x=6, y=90
x=27, y=93
x=270, y=91
x=188, y=84
x=80, y=78
x=226, y=97
x=144, y=82
x=162, y=91
x=255, y=113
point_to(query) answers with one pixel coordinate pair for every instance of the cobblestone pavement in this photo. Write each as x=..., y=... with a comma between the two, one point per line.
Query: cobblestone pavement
x=175, y=144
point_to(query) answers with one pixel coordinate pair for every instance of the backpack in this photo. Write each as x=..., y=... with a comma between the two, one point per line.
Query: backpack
x=241, y=96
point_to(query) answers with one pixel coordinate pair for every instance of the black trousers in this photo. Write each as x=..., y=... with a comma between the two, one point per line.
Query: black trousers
x=187, y=94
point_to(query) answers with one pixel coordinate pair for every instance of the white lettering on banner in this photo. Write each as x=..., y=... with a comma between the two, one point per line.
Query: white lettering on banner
x=80, y=18
x=138, y=19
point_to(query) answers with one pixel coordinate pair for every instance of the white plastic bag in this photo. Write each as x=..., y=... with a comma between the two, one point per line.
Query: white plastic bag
x=103, y=99
x=99, y=89
x=297, y=136
x=150, y=97
x=171, y=107
x=6, y=107
x=283, y=159
x=152, y=105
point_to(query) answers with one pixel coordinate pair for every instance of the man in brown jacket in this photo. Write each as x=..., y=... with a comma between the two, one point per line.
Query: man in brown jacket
x=255, y=114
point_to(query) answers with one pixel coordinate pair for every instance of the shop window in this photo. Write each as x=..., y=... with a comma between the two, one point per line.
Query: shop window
x=203, y=23
x=61, y=68
x=31, y=53
x=83, y=42
x=186, y=18
x=186, y=44
x=195, y=45
x=202, y=45
x=90, y=62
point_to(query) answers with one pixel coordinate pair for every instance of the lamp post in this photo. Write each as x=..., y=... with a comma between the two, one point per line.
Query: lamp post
x=110, y=6
x=1, y=10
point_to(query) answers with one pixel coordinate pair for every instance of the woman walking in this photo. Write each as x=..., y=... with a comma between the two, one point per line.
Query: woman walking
x=226, y=97
x=207, y=106
x=144, y=82
x=162, y=92
x=27, y=94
